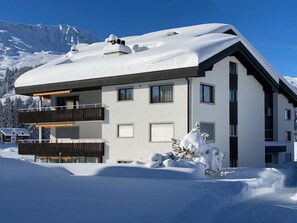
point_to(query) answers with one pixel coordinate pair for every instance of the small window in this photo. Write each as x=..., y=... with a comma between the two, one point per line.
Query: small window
x=233, y=96
x=287, y=136
x=287, y=114
x=268, y=111
x=288, y=157
x=162, y=93
x=233, y=163
x=125, y=131
x=125, y=94
x=206, y=93
x=232, y=68
x=208, y=128
x=268, y=158
x=162, y=132
x=233, y=130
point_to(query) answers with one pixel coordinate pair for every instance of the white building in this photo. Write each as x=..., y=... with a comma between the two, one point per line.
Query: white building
x=135, y=95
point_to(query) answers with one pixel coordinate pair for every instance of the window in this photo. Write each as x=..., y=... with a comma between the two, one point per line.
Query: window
x=288, y=157
x=162, y=132
x=233, y=163
x=206, y=93
x=125, y=131
x=287, y=114
x=268, y=111
x=268, y=158
x=232, y=68
x=208, y=128
x=287, y=136
x=125, y=94
x=68, y=102
x=162, y=93
x=233, y=95
x=233, y=130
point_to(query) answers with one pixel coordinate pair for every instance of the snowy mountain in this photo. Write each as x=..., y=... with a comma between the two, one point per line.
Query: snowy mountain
x=23, y=45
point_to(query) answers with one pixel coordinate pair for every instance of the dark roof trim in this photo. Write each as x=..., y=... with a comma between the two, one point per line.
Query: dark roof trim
x=247, y=59
x=285, y=90
x=97, y=83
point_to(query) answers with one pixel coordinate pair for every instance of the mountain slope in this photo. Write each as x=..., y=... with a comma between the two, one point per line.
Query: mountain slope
x=31, y=45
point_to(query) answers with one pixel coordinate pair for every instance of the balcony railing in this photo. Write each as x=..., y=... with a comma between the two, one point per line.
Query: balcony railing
x=92, y=112
x=62, y=148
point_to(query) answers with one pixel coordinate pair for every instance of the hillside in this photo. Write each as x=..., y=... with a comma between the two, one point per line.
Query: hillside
x=23, y=45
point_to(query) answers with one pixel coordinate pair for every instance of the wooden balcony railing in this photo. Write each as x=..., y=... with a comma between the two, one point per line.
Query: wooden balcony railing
x=62, y=149
x=61, y=114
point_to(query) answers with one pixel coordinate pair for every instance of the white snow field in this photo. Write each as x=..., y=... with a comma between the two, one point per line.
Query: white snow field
x=134, y=193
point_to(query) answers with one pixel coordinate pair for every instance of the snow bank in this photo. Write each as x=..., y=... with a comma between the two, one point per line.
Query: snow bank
x=16, y=170
x=129, y=171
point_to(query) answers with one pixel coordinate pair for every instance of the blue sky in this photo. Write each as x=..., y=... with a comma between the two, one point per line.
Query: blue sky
x=270, y=25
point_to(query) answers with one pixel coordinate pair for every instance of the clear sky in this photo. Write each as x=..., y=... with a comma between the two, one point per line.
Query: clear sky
x=270, y=25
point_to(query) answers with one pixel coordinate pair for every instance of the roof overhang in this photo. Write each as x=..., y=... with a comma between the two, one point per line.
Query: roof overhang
x=97, y=83
x=252, y=65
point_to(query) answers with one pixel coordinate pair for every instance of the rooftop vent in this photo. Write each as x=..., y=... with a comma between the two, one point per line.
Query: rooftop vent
x=116, y=47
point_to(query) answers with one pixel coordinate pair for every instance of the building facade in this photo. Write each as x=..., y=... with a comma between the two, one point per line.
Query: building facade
x=246, y=108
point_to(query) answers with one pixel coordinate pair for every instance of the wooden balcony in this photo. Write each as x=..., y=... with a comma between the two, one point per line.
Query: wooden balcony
x=60, y=114
x=87, y=149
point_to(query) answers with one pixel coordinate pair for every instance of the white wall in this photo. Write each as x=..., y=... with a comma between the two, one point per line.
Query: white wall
x=218, y=112
x=251, y=150
x=140, y=112
x=251, y=120
x=284, y=125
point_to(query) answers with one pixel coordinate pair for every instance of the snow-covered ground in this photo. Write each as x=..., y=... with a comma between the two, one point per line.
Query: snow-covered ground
x=135, y=193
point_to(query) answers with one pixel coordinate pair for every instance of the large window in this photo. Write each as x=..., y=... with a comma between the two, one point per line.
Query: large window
x=287, y=114
x=161, y=132
x=162, y=93
x=125, y=131
x=287, y=136
x=208, y=128
x=206, y=93
x=125, y=94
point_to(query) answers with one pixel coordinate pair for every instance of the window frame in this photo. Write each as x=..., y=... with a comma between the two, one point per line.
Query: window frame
x=159, y=93
x=125, y=137
x=160, y=123
x=212, y=96
x=214, y=130
x=125, y=89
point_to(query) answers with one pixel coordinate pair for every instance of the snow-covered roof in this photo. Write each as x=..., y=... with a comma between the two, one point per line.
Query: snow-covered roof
x=15, y=131
x=156, y=51
x=7, y=131
x=21, y=132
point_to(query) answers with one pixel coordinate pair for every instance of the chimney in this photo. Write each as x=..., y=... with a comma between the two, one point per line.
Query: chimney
x=116, y=47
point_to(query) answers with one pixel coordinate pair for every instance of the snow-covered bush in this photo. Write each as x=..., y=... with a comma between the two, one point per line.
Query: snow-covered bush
x=192, y=151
